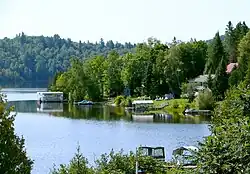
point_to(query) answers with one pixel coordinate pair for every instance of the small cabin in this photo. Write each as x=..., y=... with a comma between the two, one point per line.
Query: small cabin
x=50, y=96
x=142, y=104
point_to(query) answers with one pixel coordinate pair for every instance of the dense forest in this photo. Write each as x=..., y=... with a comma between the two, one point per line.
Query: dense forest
x=39, y=58
x=157, y=68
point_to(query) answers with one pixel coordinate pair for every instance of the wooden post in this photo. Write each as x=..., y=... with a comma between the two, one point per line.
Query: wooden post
x=136, y=162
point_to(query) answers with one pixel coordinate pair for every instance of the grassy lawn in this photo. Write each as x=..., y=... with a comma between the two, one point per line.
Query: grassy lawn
x=178, y=105
x=175, y=106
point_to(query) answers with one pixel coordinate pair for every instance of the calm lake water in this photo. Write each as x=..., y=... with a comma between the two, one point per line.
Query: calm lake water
x=53, y=131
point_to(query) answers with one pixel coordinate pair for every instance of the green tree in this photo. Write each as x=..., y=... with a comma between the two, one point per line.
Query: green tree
x=226, y=150
x=244, y=54
x=39, y=58
x=113, y=81
x=205, y=100
x=78, y=165
x=220, y=81
x=230, y=43
x=215, y=55
x=13, y=157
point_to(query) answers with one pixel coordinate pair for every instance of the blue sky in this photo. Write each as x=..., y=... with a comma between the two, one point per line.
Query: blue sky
x=121, y=20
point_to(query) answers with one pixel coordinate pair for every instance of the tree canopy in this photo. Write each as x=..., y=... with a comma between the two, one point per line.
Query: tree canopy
x=38, y=58
x=13, y=157
x=155, y=68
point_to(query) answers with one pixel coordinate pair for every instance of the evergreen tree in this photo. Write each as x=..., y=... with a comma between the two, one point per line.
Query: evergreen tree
x=244, y=54
x=209, y=81
x=13, y=158
x=220, y=82
x=215, y=55
x=230, y=43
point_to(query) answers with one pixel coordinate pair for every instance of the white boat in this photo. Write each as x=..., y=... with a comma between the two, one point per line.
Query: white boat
x=185, y=155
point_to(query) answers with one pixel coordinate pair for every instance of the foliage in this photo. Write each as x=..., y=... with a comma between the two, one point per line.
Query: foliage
x=226, y=150
x=244, y=54
x=215, y=55
x=205, y=100
x=33, y=58
x=128, y=102
x=123, y=101
x=188, y=91
x=220, y=81
x=119, y=99
x=78, y=165
x=153, y=69
x=13, y=157
x=112, y=163
x=177, y=106
x=230, y=42
x=216, y=64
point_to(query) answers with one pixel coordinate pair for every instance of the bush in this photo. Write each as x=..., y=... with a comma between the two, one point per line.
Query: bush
x=112, y=163
x=205, y=100
x=188, y=91
x=78, y=165
x=128, y=102
x=227, y=150
x=122, y=101
x=175, y=104
x=118, y=100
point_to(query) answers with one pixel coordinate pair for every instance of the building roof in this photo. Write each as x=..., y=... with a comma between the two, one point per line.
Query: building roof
x=143, y=102
x=231, y=66
x=202, y=78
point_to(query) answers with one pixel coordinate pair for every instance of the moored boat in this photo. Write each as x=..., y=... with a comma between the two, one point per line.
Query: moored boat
x=185, y=155
x=85, y=102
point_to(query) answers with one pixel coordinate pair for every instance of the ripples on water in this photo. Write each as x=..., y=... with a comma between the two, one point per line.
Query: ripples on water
x=52, y=137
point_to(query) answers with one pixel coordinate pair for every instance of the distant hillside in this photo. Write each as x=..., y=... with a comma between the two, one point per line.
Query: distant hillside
x=32, y=58
x=222, y=38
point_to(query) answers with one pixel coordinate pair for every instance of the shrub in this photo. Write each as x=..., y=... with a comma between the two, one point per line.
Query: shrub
x=112, y=163
x=118, y=100
x=122, y=101
x=227, y=149
x=78, y=165
x=188, y=91
x=175, y=104
x=205, y=100
x=128, y=102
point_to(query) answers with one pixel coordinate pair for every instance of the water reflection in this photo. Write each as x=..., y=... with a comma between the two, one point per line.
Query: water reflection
x=102, y=112
x=98, y=112
x=49, y=107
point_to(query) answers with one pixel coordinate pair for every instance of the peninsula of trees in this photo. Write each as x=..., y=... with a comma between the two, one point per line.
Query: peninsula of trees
x=155, y=68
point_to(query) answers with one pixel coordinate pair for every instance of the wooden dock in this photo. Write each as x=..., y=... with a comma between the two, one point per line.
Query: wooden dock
x=183, y=167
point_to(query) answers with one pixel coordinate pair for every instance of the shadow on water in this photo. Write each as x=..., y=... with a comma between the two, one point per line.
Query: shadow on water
x=102, y=112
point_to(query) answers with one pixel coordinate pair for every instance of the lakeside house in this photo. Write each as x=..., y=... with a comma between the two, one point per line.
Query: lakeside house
x=201, y=81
